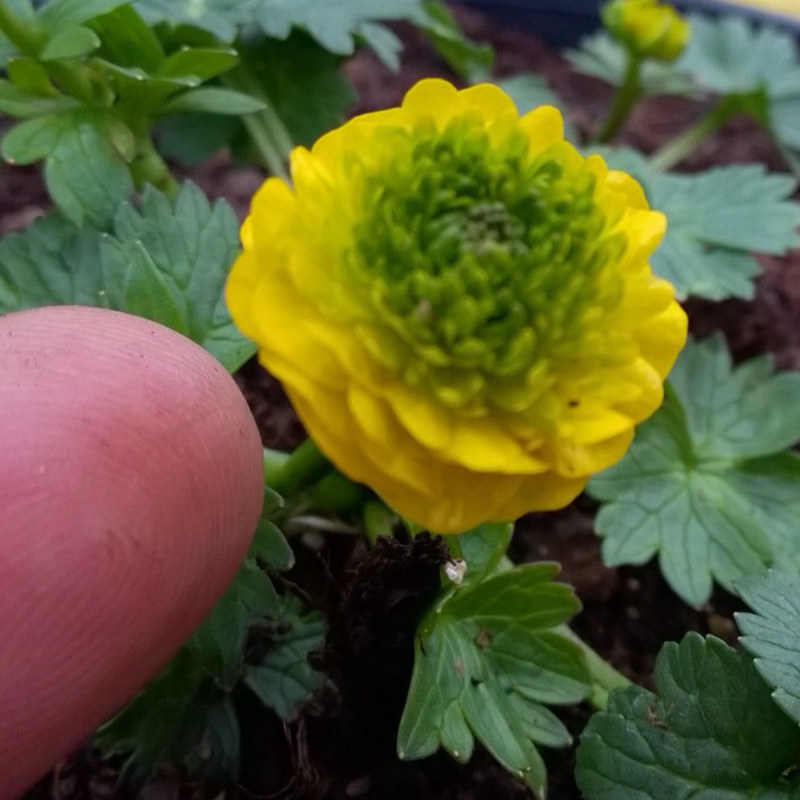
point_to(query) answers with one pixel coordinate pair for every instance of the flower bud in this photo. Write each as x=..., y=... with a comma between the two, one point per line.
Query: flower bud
x=647, y=28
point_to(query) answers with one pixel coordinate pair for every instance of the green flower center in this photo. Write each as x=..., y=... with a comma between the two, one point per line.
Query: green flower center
x=483, y=268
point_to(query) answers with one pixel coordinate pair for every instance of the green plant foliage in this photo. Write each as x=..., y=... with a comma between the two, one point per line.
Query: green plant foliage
x=772, y=634
x=86, y=175
x=487, y=660
x=708, y=485
x=51, y=262
x=301, y=89
x=728, y=55
x=186, y=715
x=336, y=24
x=715, y=220
x=301, y=83
x=191, y=244
x=166, y=261
x=602, y=56
x=90, y=80
x=468, y=59
x=181, y=718
x=282, y=678
x=218, y=645
x=710, y=732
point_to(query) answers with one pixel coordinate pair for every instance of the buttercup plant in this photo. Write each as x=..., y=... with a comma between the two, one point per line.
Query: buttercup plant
x=476, y=329
x=474, y=318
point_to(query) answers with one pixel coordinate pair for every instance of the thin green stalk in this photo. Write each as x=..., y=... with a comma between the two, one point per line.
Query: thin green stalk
x=274, y=461
x=688, y=140
x=259, y=128
x=265, y=128
x=26, y=36
x=303, y=468
x=604, y=676
x=624, y=99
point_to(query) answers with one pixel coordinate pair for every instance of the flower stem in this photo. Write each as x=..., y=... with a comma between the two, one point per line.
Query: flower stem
x=687, y=141
x=302, y=469
x=624, y=99
x=604, y=676
x=265, y=128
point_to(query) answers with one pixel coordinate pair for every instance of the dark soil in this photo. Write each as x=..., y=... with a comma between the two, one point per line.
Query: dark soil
x=344, y=745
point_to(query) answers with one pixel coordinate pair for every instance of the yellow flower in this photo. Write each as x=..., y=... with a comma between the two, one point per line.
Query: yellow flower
x=648, y=28
x=459, y=305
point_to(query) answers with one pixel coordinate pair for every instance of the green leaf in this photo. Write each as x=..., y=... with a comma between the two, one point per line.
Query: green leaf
x=483, y=548
x=469, y=59
x=180, y=718
x=31, y=140
x=486, y=660
x=302, y=83
x=51, y=262
x=283, y=679
x=213, y=100
x=167, y=260
x=127, y=40
x=218, y=644
x=58, y=15
x=710, y=732
x=223, y=18
x=85, y=174
x=191, y=245
x=145, y=292
x=191, y=138
x=202, y=62
x=74, y=41
x=772, y=634
x=270, y=544
x=730, y=56
x=705, y=485
x=715, y=219
x=19, y=103
x=146, y=93
x=601, y=56
x=336, y=25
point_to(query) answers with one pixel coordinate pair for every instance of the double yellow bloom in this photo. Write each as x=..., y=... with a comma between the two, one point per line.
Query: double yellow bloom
x=459, y=305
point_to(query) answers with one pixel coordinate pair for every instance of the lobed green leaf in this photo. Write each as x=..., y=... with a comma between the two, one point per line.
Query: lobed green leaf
x=282, y=678
x=218, y=644
x=772, y=634
x=705, y=485
x=486, y=659
x=730, y=56
x=335, y=25
x=710, y=732
x=715, y=220
x=179, y=718
x=167, y=260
